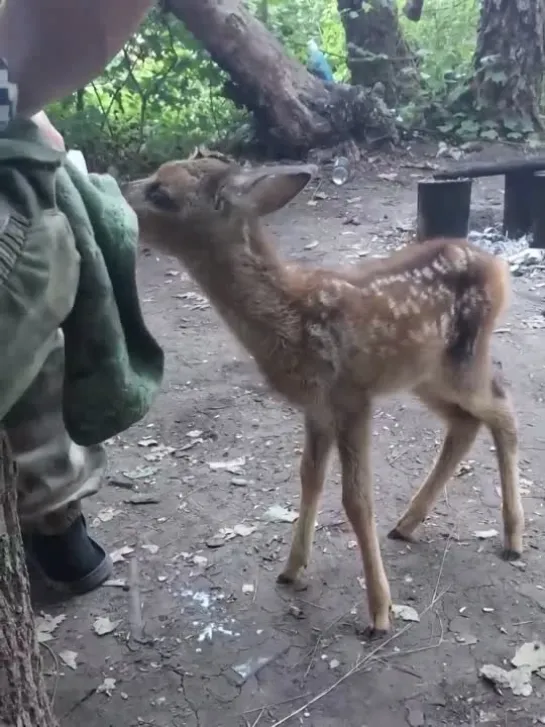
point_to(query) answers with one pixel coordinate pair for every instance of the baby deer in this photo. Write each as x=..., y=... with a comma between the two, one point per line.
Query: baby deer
x=331, y=341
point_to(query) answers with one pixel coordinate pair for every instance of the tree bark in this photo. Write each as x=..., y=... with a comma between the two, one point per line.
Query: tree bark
x=23, y=697
x=293, y=110
x=377, y=52
x=509, y=61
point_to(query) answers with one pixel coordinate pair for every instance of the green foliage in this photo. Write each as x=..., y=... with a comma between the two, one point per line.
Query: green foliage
x=157, y=99
x=162, y=95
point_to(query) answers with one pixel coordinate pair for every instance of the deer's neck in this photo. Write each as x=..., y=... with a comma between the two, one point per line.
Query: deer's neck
x=251, y=291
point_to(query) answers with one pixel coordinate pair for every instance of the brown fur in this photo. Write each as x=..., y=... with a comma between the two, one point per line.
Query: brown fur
x=331, y=341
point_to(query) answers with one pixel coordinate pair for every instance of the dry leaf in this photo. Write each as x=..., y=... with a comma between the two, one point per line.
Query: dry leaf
x=485, y=534
x=200, y=560
x=405, y=613
x=103, y=625
x=69, y=658
x=225, y=534
x=46, y=625
x=153, y=549
x=279, y=514
x=148, y=442
x=116, y=583
x=105, y=515
x=530, y=654
x=518, y=680
x=464, y=468
x=230, y=465
x=107, y=686
x=117, y=556
x=244, y=530
x=311, y=245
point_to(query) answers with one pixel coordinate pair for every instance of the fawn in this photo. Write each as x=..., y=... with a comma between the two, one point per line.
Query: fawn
x=330, y=341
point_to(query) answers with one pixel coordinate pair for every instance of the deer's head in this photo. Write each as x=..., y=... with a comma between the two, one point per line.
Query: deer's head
x=189, y=205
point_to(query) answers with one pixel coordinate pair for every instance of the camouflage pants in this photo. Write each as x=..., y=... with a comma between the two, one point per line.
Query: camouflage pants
x=39, y=274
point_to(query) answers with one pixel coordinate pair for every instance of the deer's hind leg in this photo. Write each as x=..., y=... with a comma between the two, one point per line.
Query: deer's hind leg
x=462, y=430
x=494, y=407
x=319, y=440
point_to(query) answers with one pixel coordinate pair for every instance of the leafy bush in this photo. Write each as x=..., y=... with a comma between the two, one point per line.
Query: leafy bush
x=162, y=95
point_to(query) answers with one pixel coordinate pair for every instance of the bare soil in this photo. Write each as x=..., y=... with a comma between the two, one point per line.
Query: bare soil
x=209, y=598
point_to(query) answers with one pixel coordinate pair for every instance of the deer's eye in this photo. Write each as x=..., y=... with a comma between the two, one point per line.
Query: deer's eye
x=158, y=195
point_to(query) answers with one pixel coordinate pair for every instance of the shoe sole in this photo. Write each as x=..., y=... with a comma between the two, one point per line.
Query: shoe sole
x=88, y=583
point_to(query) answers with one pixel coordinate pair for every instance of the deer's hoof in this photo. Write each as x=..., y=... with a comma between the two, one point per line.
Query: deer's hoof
x=285, y=579
x=510, y=555
x=396, y=534
x=371, y=633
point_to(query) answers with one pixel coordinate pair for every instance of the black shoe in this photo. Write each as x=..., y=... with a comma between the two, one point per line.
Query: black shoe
x=70, y=562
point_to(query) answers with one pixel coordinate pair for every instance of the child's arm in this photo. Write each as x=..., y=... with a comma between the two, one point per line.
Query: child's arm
x=53, y=47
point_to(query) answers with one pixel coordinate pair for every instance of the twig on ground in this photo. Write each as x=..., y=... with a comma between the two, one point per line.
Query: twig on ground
x=265, y=707
x=445, y=551
x=359, y=665
x=56, y=665
x=135, y=605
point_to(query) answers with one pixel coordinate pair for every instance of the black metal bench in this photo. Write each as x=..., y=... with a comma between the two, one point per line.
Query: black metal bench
x=444, y=202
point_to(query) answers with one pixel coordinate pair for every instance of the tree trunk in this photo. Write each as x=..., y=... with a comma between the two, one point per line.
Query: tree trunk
x=293, y=110
x=23, y=698
x=509, y=61
x=377, y=52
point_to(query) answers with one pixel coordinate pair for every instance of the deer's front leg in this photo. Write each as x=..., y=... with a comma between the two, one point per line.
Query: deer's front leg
x=318, y=443
x=354, y=441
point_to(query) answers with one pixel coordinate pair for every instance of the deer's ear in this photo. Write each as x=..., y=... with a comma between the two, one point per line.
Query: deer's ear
x=267, y=189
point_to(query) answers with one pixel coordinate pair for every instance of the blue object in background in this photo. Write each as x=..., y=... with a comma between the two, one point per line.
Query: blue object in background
x=317, y=63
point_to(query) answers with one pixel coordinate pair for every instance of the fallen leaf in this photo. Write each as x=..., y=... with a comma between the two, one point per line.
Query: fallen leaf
x=388, y=176
x=225, y=534
x=117, y=556
x=244, y=530
x=69, y=658
x=405, y=613
x=230, y=465
x=148, y=442
x=107, y=686
x=158, y=453
x=334, y=664
x=485, y=534
x=518, y=680
x=295, y=611
x=103, y=625
x=530, y=654
x=105, y=515
x=151, y=548
x=279, y=514
x=200, y=560
x=116, y=583
x=239, y=481
x=464, y=468
x=141, y=473
x=46, y=625
x=311, y=245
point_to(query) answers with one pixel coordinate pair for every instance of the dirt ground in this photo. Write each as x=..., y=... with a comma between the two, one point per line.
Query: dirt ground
x=188, y=497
